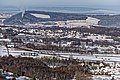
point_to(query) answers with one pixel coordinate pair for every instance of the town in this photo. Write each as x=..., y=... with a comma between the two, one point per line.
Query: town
x=59, y=50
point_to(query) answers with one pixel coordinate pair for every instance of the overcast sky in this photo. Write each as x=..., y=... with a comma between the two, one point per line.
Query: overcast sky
x=63, y=3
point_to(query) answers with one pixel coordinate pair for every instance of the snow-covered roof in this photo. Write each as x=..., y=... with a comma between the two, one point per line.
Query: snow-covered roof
x=23, y=78
x=21, y=34
x=7, y=40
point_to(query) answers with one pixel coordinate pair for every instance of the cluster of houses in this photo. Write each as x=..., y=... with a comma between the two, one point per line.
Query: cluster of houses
x=61, y=38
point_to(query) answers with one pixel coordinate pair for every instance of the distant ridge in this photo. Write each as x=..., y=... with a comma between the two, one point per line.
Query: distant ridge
x=18, y=19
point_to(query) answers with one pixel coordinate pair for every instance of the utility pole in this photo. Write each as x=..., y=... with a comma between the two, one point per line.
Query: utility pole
x=7, y=49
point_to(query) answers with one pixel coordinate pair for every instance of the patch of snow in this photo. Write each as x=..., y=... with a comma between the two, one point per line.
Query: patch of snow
x=9, y=77
x=92, y=20
x=40, y=15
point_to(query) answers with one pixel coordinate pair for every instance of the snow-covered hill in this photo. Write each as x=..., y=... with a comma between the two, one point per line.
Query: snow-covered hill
x=103, y=12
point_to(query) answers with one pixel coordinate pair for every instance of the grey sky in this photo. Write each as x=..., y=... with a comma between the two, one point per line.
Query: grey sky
x=46, y=3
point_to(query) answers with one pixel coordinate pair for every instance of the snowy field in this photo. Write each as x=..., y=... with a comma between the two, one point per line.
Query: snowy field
x=18, y=52
x=42, y=53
